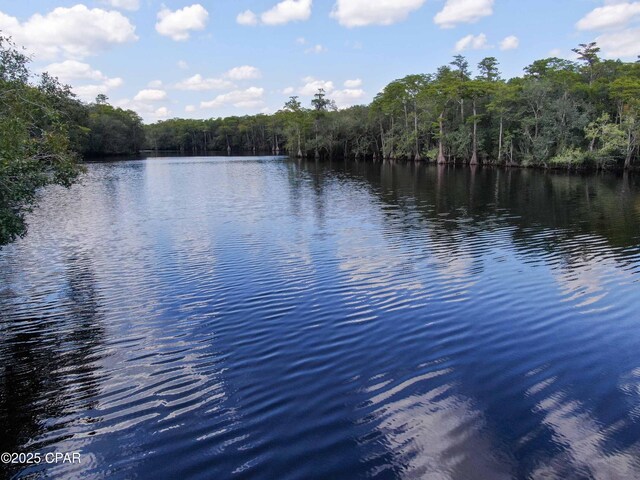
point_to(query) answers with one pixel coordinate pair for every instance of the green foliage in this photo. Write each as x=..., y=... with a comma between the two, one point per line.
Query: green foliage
x=321, y=103
x=35, y=145
x=113, y=131
x=608, y=141
x=248, y=134
x=570, y=157
x=488, y=68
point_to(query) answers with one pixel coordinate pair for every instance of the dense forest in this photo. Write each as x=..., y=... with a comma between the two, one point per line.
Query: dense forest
x=559, y=114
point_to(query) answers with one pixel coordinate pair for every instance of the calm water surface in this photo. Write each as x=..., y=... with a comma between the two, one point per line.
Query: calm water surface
x=259, y=318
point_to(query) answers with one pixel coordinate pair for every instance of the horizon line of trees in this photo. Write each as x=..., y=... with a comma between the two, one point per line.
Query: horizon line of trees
x=559, y=114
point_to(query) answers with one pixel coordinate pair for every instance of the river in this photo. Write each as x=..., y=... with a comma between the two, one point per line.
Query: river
x=265, y=318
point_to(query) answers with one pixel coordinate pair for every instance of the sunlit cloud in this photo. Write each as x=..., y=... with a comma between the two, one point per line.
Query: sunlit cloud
x=463, y=11
x=284, y=12
x=251, y=97
x=362, y=13
x=179, y=24
x=76, y=32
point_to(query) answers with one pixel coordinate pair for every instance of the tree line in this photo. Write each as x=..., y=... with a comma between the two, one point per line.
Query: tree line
x=560, y=113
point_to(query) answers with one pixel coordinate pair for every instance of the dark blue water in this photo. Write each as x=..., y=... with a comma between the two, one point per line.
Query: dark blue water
x=258, y=318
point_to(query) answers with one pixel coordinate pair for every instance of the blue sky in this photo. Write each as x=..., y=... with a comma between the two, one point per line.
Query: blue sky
x=212, y=58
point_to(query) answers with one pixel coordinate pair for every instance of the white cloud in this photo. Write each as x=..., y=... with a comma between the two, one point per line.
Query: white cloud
x=123, y=4
x=510, y=43
x=316, y=49
x=245, y=72
x=463, y=11
x=312, y=86
x=73, y=72
x=623, y=44
x=250, y=98
x=347, y=97
x=162, y=112
x=150, y=95
x=155, y=84
x=282, y=13
x=471, y=42
x=179, y=24
x=74, y=32
x=200, y=83
x=360, y=13
x=617, y=38
x=182, y=65
x=610, y=16
x=88, y=93
x=149, y=111
x=287, y=11
x=247, y=18
x=301, y=41
x=190, y=108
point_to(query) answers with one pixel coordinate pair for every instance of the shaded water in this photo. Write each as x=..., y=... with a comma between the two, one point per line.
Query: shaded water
x=269, y=319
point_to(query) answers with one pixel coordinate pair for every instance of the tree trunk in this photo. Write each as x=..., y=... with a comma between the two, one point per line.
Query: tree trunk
x=417, y=158
x=620, y=112
x=441, y=159
x=382, y=140
x=627, y=161
x=592, y=144
x=474, y=154
x=390, y=153
x=317, y=153
x=500, y=140
x=406, y=116
x=630, y=149
x=299, y=144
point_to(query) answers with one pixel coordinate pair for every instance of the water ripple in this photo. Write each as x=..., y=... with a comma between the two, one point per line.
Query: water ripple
x=261, y=318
